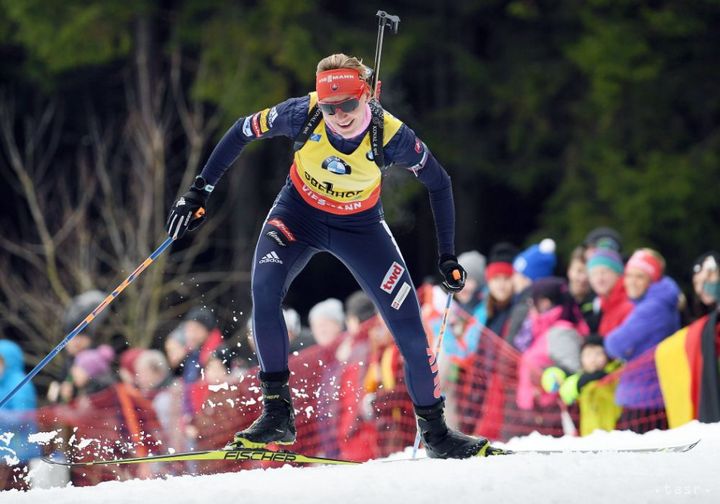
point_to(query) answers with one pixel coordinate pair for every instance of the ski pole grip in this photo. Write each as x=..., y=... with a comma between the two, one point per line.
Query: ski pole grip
x=456, y=274
x=200, y=212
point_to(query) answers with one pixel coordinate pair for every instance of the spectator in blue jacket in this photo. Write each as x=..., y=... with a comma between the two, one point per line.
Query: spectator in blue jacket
x=17, y=418
x=655, y=317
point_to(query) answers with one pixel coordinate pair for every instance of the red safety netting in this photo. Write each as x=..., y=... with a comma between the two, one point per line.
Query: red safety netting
x=358, y=409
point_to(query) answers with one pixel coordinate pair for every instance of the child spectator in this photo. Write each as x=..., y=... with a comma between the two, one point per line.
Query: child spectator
x=612, y=305
x=557, y=331
x=597, y=401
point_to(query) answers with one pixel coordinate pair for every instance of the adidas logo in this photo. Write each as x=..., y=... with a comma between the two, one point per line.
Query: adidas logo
x=272, y=257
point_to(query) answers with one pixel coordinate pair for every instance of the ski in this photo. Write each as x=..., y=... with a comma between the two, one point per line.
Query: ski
x=505, y=452
x=653, y=449
x=289, y=457
x=245, y=454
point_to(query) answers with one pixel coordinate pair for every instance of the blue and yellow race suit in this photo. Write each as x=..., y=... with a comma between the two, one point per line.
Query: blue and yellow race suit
x=331, y=203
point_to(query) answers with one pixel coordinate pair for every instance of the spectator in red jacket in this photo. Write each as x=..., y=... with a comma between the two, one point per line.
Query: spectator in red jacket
x=605, y=268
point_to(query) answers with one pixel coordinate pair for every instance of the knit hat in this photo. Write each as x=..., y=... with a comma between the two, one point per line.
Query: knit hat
x=553, y=288
x=80, y=307
x=360, y=305
x=537, y=261
x=606, y=257
x=604, y=237
x=474, y=264
x=178, y=334
x=645, y=261
x=708, y=261
x=129, y=358
x=203, y=316
x=593, y=339
x=330, y=309
x=500, y=260
x=95, y=361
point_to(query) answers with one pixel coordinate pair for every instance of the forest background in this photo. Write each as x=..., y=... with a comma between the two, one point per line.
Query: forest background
x=552, y=117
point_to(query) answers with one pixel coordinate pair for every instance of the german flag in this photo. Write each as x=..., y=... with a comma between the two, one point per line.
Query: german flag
x=681, y=365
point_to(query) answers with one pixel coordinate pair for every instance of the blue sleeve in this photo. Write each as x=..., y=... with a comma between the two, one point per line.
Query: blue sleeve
x=284, y=119
x=405, y=149
x=25, y=398
x=643, y=322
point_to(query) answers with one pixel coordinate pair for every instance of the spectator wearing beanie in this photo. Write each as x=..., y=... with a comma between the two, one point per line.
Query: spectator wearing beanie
x=202, y=337
x=91, y=371
x=359, y=316
x=602, y=237
x=471, y=295
x=654, y=318
x=494, y=311
x=326, y=322
x=79, y=308
x=131, y=418
x=127, y=370
x=358, y=309
x=656, y=313
x=612, y=306
x=534, y=263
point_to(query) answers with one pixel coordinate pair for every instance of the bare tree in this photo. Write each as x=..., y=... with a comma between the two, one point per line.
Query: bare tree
x=89, y=219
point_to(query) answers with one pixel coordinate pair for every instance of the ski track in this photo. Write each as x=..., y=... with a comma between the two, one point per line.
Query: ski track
x=608, y=478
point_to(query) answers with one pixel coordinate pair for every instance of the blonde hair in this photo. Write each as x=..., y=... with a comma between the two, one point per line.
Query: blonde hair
x=340, y=60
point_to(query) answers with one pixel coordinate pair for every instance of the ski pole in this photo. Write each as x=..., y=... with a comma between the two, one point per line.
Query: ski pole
x=147, y=262
x=438, y=345
x=384, y=20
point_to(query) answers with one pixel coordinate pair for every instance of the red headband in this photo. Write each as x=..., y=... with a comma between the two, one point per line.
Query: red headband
x=498, y=268
x=647, y=263
x=339, y=82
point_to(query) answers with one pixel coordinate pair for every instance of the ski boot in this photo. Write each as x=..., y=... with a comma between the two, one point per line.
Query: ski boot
x=276, y=424
x=443, y=442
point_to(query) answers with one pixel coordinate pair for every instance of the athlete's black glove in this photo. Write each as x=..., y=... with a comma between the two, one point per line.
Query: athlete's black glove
x=453, y=274
x=188, y=211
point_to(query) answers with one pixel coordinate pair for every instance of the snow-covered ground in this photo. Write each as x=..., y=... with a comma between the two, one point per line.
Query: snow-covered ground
x=607, y=478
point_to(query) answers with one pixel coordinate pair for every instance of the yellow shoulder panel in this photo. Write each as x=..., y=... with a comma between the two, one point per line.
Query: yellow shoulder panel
x=391, y=126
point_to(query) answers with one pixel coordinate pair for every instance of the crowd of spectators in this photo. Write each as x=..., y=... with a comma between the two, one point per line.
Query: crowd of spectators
x=604, y=338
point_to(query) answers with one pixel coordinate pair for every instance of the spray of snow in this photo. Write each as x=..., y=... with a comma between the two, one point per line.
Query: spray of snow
x=607, y=477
